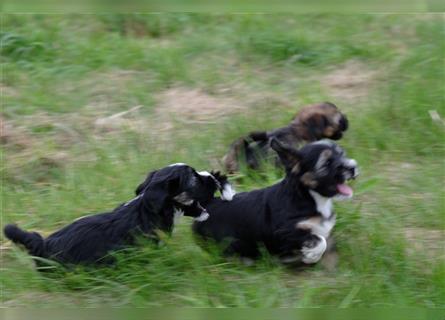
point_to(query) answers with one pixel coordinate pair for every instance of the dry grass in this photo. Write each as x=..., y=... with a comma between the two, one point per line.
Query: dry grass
x=351, y=82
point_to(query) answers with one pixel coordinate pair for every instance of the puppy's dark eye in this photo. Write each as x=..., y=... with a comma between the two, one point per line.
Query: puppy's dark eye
x=328, y=162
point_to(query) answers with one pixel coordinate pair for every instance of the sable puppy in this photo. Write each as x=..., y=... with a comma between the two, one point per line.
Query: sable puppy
x=89, y=239
x=293, y=219
x=312, y=123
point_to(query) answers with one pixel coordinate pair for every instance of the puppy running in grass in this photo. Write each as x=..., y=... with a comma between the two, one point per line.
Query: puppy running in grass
x=88, y=240
x=293, y=219
x=311, y=123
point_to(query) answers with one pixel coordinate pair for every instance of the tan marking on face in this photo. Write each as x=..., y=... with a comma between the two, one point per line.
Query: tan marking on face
x=296, y=169
x=336, y=118
x=324, y=156
x=308, y=179
x=329, y=131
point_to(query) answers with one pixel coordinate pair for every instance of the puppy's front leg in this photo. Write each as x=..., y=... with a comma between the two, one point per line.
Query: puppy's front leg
x=313, y=249
x=300, y=245
x=315, y=246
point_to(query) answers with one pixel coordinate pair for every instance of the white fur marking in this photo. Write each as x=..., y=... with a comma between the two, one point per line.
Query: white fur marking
x=204, y=173
x=202, y=217
x=324, y=142
x=350, y=163
x=178, y=214
x=177, y=164
x=183, y=198
x=324, y=204
x=130, y=201
x=228, y=192
x=312, y=255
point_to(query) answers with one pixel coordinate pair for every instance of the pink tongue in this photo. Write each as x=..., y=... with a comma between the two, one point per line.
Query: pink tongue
x=344, y=189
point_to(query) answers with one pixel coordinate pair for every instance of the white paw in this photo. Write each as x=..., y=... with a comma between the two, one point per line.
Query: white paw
x=202, y=217
x=312, y=252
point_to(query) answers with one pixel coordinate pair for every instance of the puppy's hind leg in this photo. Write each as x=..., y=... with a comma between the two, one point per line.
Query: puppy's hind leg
x=248, y=252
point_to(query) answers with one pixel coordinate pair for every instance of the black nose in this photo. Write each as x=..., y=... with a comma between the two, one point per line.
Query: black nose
x=354, y=172
x=344, y=123
x=349, y=171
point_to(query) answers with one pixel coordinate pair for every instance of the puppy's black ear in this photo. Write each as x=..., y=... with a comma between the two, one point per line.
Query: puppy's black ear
x=161, y=187
x=221, y=178
x=144, y=184
x=290, y=157
x=344, y=123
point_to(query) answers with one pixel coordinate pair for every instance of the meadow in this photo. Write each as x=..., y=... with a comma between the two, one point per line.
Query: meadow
x=91, y=103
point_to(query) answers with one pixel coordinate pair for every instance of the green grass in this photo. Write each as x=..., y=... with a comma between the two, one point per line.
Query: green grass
x=60, y=73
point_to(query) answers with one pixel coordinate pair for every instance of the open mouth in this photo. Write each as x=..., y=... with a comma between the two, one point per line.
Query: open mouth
x=350, y=173
x=344, y=190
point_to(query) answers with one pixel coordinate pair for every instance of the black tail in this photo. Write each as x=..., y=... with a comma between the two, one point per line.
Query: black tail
x=32, y=241
x=259, y=136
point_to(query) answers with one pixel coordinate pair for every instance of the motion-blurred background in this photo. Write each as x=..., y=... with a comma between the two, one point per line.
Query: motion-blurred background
x=91, y=103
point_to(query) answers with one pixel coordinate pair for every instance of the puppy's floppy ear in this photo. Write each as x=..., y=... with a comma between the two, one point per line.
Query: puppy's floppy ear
x=221, y=178
x=290, y=157
x=343, y=123
x=317, y=126
x=144, y=184
x=161, y=187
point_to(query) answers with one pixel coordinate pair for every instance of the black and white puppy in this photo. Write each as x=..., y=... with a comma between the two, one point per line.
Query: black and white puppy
x=89, y=239
x=294, y=218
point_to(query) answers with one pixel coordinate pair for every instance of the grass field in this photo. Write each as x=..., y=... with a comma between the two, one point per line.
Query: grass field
x=191, y=84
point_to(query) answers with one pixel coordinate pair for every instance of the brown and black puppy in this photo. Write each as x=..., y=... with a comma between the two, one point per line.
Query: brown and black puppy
x=311, y=123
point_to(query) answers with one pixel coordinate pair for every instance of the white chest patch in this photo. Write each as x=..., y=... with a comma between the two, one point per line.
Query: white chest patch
x=320, y=226
x=324, y=205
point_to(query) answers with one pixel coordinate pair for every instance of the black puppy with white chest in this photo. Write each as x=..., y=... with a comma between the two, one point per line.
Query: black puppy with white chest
x=89, y=239
x=293, y=219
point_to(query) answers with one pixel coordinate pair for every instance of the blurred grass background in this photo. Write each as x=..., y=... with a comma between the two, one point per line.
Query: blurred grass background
x=91, y=103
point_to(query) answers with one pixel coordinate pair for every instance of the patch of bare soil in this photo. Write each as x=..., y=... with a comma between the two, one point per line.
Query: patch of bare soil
x=13, y=135
x=429, y=242
x=37, y=145
x=34, y=298
x=7, y=91
x=194, y=106
x=103, y=83
x=349, y=83
x=399, y=172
